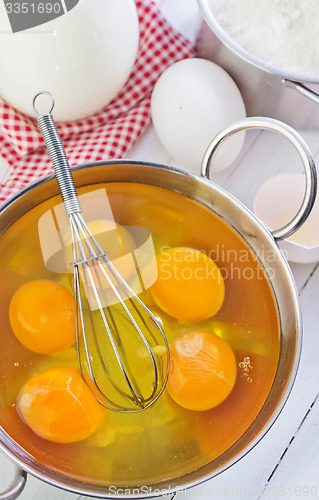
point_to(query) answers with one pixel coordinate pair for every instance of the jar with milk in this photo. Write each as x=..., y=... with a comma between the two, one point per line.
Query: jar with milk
x=82, y=54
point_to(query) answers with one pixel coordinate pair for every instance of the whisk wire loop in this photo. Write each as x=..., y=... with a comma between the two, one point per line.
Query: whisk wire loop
x=81, y=234
x=98, y=393
x=88, y=274
x=120, y=281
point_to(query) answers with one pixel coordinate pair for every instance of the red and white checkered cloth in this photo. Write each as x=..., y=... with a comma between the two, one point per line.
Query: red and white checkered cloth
x=107, y=134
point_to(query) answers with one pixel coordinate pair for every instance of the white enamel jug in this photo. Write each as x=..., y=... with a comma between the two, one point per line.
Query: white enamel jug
x=83, y=56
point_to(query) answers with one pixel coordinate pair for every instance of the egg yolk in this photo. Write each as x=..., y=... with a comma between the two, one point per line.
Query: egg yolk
x=42, y=316
x=58, y=406
x=202, y=370
x=189, y=286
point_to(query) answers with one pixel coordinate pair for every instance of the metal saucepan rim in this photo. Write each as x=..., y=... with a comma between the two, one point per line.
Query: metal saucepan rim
x=76, y=486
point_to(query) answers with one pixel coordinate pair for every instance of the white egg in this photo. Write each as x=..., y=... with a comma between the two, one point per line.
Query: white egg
x=192, y=101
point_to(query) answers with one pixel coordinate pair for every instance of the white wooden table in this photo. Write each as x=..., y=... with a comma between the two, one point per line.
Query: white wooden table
x=285, y=464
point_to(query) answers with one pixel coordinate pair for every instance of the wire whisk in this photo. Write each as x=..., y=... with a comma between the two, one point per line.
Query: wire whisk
x=122, y=349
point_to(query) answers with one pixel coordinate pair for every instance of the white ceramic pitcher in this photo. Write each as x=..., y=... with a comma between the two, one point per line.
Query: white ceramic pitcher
x=82, y=57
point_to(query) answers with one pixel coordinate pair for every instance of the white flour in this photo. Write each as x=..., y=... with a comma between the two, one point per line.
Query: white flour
x=283, y=33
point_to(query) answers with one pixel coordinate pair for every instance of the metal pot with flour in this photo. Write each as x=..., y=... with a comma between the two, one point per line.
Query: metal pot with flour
x=278, y=77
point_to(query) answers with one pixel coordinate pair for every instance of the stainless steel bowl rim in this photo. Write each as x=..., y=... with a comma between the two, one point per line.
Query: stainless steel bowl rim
x=86, y=489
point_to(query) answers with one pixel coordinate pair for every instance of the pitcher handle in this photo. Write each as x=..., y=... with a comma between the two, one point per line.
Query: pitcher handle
x=302, y=149
x=302, y=89
x=17, y=485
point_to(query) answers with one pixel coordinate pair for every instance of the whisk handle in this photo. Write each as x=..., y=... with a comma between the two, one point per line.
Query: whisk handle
x=59, y=159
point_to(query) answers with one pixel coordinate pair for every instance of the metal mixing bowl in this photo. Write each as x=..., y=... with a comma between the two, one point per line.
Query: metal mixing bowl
x=266, y=90
x=262, y=243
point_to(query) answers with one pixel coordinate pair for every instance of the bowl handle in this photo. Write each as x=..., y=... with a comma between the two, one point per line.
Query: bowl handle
x=302, y=89
x=16, y=487
x=302, y=149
